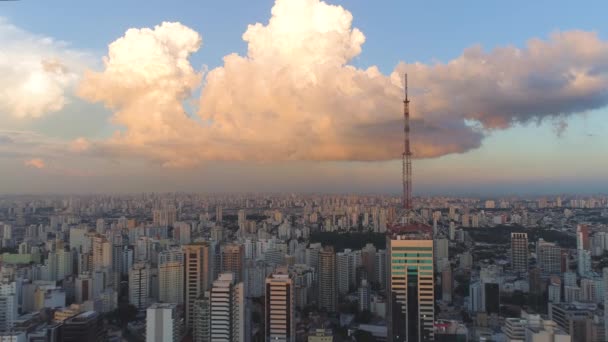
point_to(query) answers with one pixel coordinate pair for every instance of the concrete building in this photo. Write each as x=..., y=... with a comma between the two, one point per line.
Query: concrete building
x=411, y=285
x=519, y=252
x=171, y=282
x=8, y=304
x=87, y=326
x=227, y=305
x=201, y=330
x=280, y=307
x=328, y=296
x=233, y=260
x=549, y=257
x=164, y=323
x=139, y=285
x=199, y=269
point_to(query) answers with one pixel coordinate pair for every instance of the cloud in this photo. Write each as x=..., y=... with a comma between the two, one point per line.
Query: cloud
x=566, y=74
x=36, y=163
x=37, y=72
x=294, y=95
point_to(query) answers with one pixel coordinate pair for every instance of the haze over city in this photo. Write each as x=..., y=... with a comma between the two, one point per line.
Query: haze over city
x=302, y=96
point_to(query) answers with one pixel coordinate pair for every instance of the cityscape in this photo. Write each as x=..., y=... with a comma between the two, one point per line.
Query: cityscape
x=296, y=192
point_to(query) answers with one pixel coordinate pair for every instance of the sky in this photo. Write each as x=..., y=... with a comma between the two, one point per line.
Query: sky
x=303, y=95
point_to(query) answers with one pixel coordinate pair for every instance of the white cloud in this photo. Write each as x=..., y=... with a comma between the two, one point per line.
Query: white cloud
x=37, y=72
x=294, y=95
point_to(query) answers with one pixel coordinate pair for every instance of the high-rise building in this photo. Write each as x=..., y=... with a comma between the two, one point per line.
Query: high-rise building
x=447, y=284
x=198, y=263
x=411, y=284
x=233, y=260
x=87, y=326
x=328, y=296
x=201, y=329
x=364, y=294
x=519, y=252
x=8, y=304
x=584, y=262
x=227, y=309
x=368, y=260
x=549, y=257
x=102, y=253
x=280, y=306
x=139, y=285
x=171, y=282
x=164, y=323
x=582, y=237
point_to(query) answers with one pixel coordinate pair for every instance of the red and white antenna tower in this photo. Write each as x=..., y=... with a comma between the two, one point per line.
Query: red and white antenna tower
x=407, y=157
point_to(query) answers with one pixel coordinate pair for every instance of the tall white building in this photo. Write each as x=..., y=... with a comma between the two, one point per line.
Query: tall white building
x=227, y=310
x=280, y=306
x=8, y=304
x=164, y=323
x=139, y=285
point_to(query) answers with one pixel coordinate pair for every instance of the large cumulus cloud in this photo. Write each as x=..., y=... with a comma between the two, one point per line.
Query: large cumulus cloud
x=37, y=72
x=294, y=95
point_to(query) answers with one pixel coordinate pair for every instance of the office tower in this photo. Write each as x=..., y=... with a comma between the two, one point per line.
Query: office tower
x=368, y=260
x=491, y=298
x=584, y=262
x=411, y=284
x=87, y=326
x=280, y=306
x=233, y=259
x=102, y=253
x=582, y=237
x=227, y=310
x=83, y=288
x=519, y=252
x=8, y=304
x=201, y=330
x=198, y=265
x=447, y=284
x=139, y=285
x=554, y=289
x=380, y=274
x=441, y=249
x=327, y=279
x=345, y=271
x=171, y=282
x=171, y=276
x=549, y=257
x=475, y=297
x=164, y=323
x=364, y=294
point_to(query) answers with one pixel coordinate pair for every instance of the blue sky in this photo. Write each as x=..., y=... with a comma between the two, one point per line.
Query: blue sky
x=509, y=160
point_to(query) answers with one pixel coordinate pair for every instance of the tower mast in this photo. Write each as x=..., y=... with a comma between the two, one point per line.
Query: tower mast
x=407, y=157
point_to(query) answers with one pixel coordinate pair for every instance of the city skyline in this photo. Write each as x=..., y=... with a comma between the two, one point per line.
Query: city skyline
x=306, y=100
